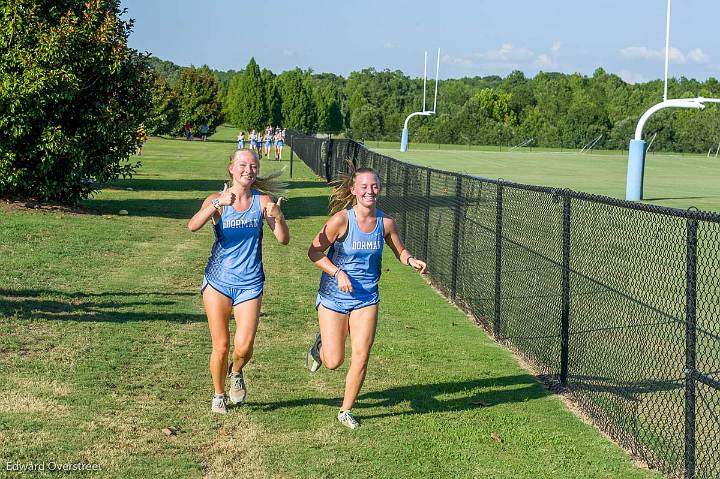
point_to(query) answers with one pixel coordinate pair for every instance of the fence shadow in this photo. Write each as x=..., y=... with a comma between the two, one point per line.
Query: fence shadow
x=626, y=390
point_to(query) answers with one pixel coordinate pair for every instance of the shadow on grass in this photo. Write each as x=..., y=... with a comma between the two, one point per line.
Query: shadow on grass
x=428, y=398
x=77, y=306
x=297, y=185
x=678, y=198
x=158, y=208
x=144, y=184
x=195, y=139
x=185, y=208
x=294, y=208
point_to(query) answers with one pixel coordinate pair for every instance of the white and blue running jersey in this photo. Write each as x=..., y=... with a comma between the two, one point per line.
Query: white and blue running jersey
x=359, y=255
x=236, y=258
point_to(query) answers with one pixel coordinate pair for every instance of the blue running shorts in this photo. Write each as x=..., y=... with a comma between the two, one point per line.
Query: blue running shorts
x=236, y=295
x=346, y=306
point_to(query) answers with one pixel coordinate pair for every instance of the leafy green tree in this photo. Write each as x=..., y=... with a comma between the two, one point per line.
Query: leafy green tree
x=272, y=98
x=164, y=113
x=699, y=131
x=298, y=109
x=583, y=121
x=365, y=123
x=71, y=97
x=443, y=129
x=496, y=105
x=197, y=96
x=522, y=97
x=327, y=104
x=453, y=95
x=169, y=71
x=621, y=134
x=558, y=110
x=246, y=101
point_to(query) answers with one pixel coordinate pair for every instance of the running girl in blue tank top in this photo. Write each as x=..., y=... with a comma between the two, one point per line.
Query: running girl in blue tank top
x=234, y=277
x=268, y=144
x=253, y=139
x=347, y=300
x=278, y=144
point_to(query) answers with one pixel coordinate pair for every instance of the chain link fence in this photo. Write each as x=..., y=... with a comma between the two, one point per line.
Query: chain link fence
x=615, y=303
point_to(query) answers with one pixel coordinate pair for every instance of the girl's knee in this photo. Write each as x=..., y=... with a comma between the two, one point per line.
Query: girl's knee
x=333, y=361
x=243, y=351
x=221, y=348
x=360, y=360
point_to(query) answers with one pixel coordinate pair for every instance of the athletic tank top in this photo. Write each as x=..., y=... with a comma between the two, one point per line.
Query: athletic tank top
x=359, y=255
x=236, y=257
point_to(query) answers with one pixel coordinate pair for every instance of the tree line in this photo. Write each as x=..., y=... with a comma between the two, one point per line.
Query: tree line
x=554, y=110
x=72, y=94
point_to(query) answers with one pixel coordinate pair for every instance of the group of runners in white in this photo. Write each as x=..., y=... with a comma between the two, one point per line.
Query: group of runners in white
x=272, y=139
x=348, y=250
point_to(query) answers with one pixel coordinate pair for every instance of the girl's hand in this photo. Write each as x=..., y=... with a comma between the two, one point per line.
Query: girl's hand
x=418, y=265
x=272, y=210
x=343, y=280
x=227, y=197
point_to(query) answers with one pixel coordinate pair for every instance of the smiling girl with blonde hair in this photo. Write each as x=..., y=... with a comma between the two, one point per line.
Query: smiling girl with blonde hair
x=234, y=277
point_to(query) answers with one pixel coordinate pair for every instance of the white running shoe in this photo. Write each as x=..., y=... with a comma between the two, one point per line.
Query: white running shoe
x=219, y=406
x=238, y=390
x=312, y=357
x=347, y=419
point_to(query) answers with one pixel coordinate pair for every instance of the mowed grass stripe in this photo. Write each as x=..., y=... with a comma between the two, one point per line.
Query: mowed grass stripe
x=103, y=343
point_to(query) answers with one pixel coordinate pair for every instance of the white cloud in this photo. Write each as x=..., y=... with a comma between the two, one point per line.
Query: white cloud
x=544, y=61
x=508, y=57
x=549, y=60
x=696, y=55
x=506, y=53
x=464, y=62
x=288, y=53
x=642, y=52
x=631, y=77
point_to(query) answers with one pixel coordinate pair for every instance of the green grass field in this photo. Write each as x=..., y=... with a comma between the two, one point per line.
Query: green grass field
x=103, y=343
x=675, y=180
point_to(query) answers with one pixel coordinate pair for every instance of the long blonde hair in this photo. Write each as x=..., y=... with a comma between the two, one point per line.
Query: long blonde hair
x=266, y=185
x=341, y=197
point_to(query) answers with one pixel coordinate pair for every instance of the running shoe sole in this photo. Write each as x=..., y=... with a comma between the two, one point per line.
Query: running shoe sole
x=313, y=363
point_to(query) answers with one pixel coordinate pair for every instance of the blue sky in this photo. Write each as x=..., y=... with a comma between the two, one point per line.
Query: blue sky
x=479, y=37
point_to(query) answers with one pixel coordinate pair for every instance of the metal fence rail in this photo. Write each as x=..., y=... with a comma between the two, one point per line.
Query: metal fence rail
x=617, y=303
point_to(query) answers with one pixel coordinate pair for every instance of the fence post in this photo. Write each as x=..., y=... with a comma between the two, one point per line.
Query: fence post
x=292, y=151
x=405, y=202
x=456, y=236
x=498, y=257
x=565, y=318
x=323, y=159
x=428, y=196
x=690, y=352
